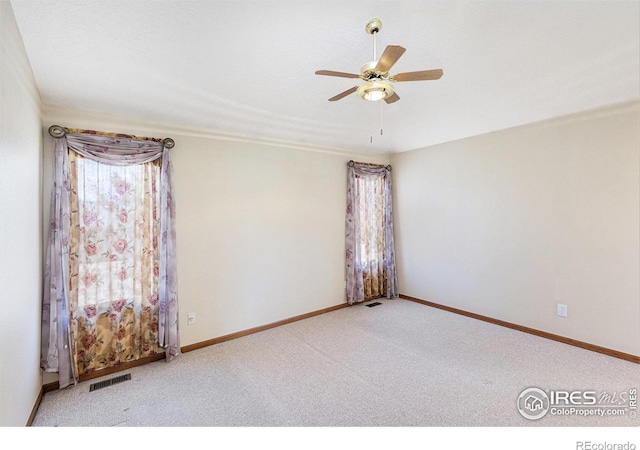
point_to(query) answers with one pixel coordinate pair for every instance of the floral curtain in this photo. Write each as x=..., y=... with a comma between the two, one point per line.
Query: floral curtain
x=370, y=254
x=110, y=280
x=370, y=220
x=114, y=262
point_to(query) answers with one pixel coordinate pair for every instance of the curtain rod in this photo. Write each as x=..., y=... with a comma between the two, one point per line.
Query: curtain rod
x=352, y=162
x=57, y=132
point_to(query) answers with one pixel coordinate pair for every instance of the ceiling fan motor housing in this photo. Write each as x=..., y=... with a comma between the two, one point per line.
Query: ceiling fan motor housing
x=368, y=72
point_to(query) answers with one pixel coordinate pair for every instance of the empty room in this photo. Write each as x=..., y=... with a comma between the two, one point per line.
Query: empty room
x=320, y=214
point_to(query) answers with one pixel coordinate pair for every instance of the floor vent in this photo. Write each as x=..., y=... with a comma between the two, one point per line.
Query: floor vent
x=109, y=382
x=373, y=304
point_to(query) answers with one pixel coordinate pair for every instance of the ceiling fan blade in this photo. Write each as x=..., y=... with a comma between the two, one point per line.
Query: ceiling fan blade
x=389, y=57
x=392, y=99
x=344, y=94
x=418, y=76
x=332, y=73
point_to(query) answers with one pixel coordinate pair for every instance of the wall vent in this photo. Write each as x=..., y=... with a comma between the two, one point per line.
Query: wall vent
x=109, y=382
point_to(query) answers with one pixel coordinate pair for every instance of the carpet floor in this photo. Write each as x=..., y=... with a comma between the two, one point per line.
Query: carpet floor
x=398, y=364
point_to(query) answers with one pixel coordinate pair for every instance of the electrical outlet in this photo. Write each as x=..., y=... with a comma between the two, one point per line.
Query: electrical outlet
x=191, y=318
x=562, y=310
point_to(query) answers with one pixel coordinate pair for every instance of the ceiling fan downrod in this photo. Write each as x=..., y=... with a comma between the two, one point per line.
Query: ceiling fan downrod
x=375, y=52
x=373, y=27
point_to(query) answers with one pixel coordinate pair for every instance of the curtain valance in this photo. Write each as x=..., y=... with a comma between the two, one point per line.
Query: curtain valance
x=115, y=150
x=373, y=171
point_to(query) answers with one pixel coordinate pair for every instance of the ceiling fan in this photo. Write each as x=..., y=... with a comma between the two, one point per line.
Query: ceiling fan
x=379, y=84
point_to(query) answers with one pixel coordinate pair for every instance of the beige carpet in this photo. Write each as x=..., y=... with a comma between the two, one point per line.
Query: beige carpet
x=399, y=364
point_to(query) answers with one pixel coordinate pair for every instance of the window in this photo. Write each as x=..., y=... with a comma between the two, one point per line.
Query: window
x=113, y=262
x=110, y=285
x=370, y=254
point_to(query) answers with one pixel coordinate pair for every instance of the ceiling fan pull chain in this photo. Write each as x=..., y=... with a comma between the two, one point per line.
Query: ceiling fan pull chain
x=372, y=113
x=380, y=103
x=371, y=133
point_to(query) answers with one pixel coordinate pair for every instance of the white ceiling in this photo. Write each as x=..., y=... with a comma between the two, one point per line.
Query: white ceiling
x=246, y=68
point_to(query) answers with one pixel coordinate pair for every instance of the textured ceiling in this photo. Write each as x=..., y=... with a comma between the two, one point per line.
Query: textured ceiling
x=246, y=68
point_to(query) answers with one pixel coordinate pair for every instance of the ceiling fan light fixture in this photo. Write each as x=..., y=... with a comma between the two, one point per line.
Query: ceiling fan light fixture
x=375, y=90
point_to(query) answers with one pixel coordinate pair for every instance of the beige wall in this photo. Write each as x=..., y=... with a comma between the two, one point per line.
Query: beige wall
x=260, y=227
x=511, y=223
x=20, y=225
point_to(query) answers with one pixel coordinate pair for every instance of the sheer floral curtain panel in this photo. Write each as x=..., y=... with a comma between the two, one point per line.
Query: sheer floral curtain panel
x=110, y=291
x=370, y=253
x=114, y=270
